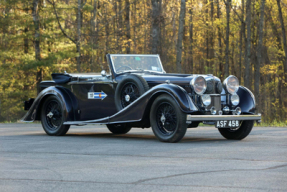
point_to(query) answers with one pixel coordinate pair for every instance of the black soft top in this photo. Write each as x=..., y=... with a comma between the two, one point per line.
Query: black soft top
x=61, y=78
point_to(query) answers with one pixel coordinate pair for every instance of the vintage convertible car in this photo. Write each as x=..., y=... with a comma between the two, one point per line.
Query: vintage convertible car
x=139, y=93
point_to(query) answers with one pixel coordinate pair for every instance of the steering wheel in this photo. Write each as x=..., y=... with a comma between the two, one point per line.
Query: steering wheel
x=124, y=66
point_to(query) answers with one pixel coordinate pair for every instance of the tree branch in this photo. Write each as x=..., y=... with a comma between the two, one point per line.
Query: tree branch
x=63, y=31
x=242, y=21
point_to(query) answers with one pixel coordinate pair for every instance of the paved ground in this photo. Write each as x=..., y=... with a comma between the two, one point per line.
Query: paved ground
x=90, y=158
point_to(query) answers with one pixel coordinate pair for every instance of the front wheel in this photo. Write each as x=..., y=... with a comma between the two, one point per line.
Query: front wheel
x=239, y=133
x=167, y=120
x=119, y=128
x=52, y=117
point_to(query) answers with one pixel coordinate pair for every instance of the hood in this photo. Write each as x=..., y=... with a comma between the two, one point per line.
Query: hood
x=183, y=80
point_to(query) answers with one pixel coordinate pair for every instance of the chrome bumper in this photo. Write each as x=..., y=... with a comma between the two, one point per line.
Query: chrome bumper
x=222, y=117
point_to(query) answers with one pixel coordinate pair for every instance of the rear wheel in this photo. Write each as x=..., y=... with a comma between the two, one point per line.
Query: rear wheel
x=52, y=117
x=167, y=120
x=119, y=128
x=239, y=133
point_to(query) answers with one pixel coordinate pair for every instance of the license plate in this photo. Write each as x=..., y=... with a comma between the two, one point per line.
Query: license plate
x=227, y=124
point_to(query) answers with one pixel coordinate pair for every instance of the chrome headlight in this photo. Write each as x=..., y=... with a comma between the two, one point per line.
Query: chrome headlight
x=206, y=99
x=198, y=84
x=231, y=84
x=235, y=100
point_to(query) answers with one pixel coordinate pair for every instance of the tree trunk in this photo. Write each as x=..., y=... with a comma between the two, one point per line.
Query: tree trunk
x=120, y=16
x=285, y=50
x=191, y=40
x=135, y=21
x=35, y=13
x=180, y=37
x=211, y=55
x=145, y=31
x=128, y=27
x=78, y=44
x=259, y=51
x=219, y=43
x=226, y=69
x=107, y=27
x=242, y=36
x=206, y=36
x=248, y=45
x=155, y=26
x=93, y=31
x=26, y=40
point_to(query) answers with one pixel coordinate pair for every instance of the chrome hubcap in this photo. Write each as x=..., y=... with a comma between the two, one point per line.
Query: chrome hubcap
x=50, y=114
x=162, y=119
x=127, y=98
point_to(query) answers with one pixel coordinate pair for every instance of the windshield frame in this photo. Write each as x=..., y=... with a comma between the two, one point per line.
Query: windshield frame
x=140, y=55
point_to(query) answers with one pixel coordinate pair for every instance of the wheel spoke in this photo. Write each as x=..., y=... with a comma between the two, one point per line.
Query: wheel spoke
x=129, y=89
x=54, y=121
x=169, y=125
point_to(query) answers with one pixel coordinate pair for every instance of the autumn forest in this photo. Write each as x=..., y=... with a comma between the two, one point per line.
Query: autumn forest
x=246, y=38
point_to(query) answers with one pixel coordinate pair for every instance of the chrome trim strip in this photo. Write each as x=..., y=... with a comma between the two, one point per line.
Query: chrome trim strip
x=221, y=117
x=95, y=122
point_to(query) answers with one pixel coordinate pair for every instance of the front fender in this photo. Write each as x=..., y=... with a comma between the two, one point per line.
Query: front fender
x=140, y=108
x=64, y=95
x=178, y=93
x=247, y=100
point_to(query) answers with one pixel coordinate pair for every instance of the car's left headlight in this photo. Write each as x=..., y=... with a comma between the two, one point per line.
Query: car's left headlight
x=231, y=84
x=198, y=84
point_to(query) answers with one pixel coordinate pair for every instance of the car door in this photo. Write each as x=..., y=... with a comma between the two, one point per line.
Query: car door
x=95, y=98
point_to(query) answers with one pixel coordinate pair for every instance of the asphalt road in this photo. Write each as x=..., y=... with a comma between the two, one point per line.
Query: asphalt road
x=89, y=158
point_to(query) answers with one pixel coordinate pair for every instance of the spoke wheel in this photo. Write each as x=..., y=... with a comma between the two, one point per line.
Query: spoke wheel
x=130, y=92
x=168, y=122
x=166, y=118
x=129, y=88
x=52, y=117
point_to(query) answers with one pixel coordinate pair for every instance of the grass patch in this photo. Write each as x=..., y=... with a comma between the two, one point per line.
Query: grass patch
x=272, y=124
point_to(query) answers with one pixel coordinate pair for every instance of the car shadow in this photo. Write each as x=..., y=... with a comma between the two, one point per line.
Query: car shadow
x=133, y=136
x=138, y=136
x=111, y=136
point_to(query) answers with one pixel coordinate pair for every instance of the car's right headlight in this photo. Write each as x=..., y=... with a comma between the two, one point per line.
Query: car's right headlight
x=198, y=84
x=231, y=84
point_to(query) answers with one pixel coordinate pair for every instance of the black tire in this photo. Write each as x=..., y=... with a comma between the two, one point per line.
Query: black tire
x=119, y=128
x=53, y=125
x=237, y=134
x=133, y=86
x=165, y=108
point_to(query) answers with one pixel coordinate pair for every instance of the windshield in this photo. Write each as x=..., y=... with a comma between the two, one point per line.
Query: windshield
x=126, y=63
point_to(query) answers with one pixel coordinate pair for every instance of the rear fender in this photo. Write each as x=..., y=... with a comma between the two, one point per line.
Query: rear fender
x=68, y=100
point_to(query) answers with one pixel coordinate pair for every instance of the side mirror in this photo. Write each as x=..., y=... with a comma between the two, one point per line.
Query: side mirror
x=103, y=73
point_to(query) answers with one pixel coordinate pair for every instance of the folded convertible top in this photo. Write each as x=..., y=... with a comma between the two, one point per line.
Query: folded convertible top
x=61, y=78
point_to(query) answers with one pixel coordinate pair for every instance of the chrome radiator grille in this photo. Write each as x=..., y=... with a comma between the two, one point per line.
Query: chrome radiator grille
x=215, y=102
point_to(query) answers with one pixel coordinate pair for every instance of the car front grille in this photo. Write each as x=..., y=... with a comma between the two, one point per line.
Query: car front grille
x=215, y=102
